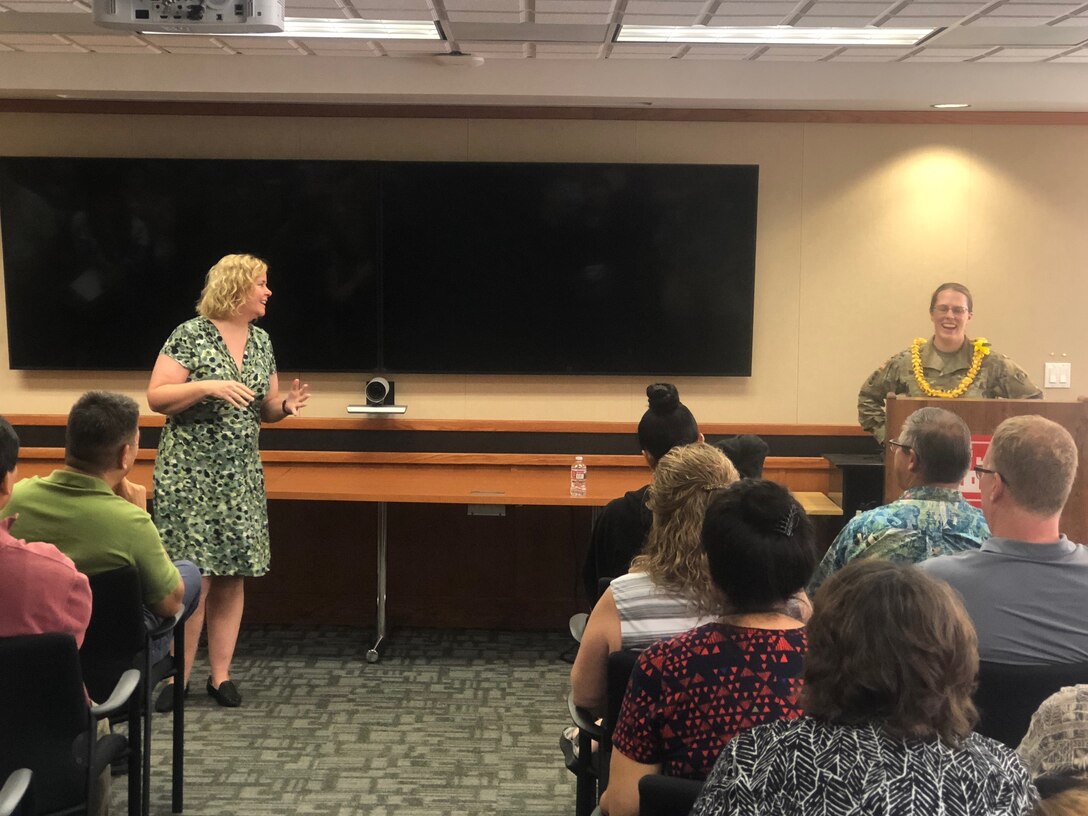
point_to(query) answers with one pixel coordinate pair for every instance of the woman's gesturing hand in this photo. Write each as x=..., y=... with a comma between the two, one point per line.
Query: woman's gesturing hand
x=230, y=391
x=297, y=397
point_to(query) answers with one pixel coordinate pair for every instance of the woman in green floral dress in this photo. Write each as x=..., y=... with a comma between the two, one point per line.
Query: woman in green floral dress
x=215, y=380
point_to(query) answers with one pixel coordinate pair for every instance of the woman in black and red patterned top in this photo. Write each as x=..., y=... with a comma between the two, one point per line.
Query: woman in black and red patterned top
x=691, y=694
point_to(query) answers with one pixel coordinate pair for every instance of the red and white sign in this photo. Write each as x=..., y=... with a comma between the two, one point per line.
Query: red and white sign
x=969, y=486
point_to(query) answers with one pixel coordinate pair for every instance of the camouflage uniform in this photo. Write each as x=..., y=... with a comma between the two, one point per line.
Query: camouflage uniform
x=999, y=378
x=923, y=522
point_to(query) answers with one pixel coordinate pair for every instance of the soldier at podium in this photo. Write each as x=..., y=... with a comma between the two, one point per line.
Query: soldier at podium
x=949, y=365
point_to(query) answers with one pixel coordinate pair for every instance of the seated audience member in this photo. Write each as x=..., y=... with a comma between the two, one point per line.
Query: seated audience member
x=77, y=509
x=931, y=517
x=1055, y=748
x=40, y=588
x=690, y=695
x=1025, y=589
x=622, y=526
x=669, y=589
x=889, y=675
x=747, y=452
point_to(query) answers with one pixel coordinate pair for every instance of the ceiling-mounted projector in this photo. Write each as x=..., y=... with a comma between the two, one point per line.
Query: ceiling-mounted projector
x=191, y=16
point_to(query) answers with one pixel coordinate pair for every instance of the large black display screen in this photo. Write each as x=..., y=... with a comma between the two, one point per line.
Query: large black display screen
x=389, y=266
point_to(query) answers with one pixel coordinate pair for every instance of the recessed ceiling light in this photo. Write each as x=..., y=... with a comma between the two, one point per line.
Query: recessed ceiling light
x=950, y=105
x=365, y=29
x=344, y=29
x=773, y=35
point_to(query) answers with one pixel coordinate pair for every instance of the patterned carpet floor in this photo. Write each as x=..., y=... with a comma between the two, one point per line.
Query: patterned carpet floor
x=449, y=722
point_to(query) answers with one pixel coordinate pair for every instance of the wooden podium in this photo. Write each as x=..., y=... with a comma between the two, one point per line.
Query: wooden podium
x=982, y=417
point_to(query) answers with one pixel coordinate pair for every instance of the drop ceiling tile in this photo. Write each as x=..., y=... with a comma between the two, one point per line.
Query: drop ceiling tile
x=572, y=6
x=114, y=40
x=1011, y=21
x=410, y=46
x=192, y=49
x=659, y=20
x=168, y=41
x=936, y=56
x=572, y=19
x=871, y=52
x=836, y=8
x=484, y=17
x=483, y=6
x=589, y=49
x=1030, y=10
x=341, y=52
x=738, y=20
x=117, y=49
x=299, y=6
x=778, y=7
x=665, y=7
x=58, y=48
x=43, y=8
x=832, y=21
x=32, y=39
x=285, y=50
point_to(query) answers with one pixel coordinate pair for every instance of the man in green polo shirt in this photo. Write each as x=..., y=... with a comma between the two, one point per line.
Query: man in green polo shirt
x=79, y=510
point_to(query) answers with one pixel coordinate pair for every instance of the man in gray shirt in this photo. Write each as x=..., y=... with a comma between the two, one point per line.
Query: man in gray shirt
x=1026, y=589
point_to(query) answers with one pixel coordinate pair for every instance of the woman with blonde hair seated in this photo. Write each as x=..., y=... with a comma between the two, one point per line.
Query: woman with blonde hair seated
x=891, y=666
x=669, y=589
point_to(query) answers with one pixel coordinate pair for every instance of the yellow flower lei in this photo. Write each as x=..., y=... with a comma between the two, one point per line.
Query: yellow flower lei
x=982, y=349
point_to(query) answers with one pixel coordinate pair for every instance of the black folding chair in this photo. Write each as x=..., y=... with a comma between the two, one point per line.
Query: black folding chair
x=1008, y=695
x=118, y=639
x=590, y=767
x=667, y=795
x=50, y=727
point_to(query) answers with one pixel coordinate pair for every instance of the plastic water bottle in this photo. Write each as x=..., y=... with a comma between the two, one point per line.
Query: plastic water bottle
x=578, y=477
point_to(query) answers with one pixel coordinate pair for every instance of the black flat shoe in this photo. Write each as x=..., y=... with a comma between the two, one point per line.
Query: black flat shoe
x=226, y=695
x=165, y=701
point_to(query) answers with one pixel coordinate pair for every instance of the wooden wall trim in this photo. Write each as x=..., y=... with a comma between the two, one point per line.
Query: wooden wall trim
x=485, y=425
x=816, y=463
x=369, y=111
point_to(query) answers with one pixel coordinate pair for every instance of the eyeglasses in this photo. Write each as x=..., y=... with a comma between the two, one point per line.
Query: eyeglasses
x=979, y=470
x=958, y=311
x=898, y=444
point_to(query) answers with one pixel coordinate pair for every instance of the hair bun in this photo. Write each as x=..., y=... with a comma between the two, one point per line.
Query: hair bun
x=663, y=398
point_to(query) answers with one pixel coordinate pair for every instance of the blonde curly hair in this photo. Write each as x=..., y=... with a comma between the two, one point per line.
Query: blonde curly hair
x=673, y=556
x=227, y=285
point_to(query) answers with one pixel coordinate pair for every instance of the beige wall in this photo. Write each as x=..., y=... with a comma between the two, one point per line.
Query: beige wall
x=857, y=224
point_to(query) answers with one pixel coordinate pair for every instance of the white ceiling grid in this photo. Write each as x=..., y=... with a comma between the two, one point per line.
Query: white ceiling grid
x=805, y=13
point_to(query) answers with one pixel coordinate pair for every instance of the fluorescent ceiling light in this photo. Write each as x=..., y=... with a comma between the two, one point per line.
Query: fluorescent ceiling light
x=360, y=29
x=950, y=105
x=342, y=29
x=773, y=35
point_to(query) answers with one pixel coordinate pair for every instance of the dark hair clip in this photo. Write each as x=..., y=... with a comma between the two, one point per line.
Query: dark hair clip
x=787, y=523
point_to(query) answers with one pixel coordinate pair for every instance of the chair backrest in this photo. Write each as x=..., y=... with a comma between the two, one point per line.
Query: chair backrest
x=620, y=665
x=667, y=795
x=1008, y=695
x=43, y=712
x=116, y=634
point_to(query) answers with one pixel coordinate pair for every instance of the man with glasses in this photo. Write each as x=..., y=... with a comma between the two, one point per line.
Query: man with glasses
x=949, y=365
x=1026, y=588
x=931, y=517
